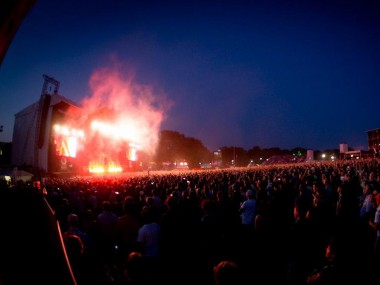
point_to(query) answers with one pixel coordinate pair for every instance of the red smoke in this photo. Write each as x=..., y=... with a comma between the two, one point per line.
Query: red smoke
x=120, y=112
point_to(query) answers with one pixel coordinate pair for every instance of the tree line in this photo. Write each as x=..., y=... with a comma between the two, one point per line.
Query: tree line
x=176, y=147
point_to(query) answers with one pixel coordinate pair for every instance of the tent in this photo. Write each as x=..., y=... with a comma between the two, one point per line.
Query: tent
x=16, y=174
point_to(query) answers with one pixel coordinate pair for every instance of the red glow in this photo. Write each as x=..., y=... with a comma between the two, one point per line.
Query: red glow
x=122, y=111
x=118, y=119
x=98, y=167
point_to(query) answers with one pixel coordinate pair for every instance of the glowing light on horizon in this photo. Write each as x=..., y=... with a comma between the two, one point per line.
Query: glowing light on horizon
x=98, y=167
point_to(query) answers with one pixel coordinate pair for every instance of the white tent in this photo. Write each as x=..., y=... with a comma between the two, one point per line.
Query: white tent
x=22, y=175
x=16, y=175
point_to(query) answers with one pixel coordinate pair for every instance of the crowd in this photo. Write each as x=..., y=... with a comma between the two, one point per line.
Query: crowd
x=306, y=223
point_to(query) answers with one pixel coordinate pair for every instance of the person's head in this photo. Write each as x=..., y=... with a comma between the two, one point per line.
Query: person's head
x=149, y=201
x=135, y=268
x=106, y=205
x=249, y=194
x=129, y=204
x=226, y=272
x=73, y=220
x=64, y=202
x=147, y=215
x=171, y=201
x=207, y=205
x=368, y=188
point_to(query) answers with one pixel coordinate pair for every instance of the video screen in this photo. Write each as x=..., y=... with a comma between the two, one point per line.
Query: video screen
x=66, y=140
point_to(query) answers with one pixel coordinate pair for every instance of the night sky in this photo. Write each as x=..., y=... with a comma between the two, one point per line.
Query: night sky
x=230, y=73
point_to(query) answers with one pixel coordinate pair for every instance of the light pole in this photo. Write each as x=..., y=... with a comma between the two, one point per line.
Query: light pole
x=234, y=158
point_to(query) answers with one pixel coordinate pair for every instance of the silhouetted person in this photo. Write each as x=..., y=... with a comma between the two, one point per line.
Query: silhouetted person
x=227, y=272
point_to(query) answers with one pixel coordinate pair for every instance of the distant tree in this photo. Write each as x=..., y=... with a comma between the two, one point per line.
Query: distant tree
x=234, y=156
x=176, y=147
x=227, y=155
x=254, y=154
x=274, y=151
x=298, y=151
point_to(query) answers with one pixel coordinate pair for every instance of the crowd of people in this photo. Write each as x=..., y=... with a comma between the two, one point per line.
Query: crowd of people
x=304, y=223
